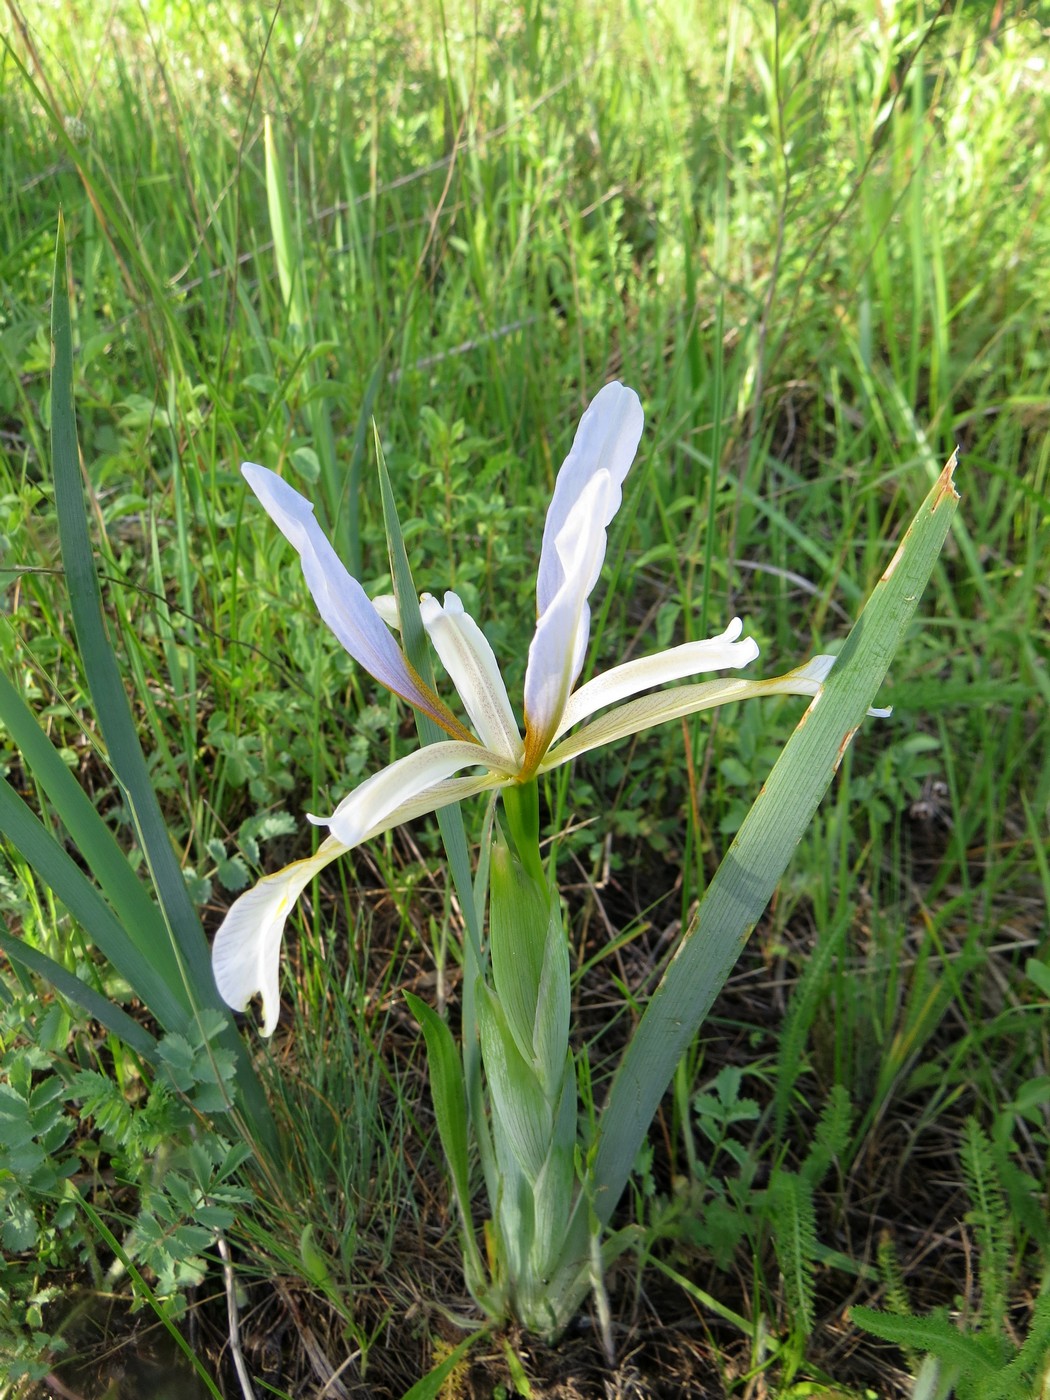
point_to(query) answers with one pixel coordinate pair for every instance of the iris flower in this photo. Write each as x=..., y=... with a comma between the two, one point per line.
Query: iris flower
x=587, y=494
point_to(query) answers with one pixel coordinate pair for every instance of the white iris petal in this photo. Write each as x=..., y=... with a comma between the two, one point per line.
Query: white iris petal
x=246, y=954
x=665, y=705
x=555, y=654
x=340, y=599
x=607, y=440
x=472, y=668
x=714, y=654
x=385, y=605
x=394, y=794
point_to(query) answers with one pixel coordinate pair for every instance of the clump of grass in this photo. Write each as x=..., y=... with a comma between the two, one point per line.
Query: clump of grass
x=816, y=242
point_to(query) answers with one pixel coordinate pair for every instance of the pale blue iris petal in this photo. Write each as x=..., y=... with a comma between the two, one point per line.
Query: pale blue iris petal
x=340, y=599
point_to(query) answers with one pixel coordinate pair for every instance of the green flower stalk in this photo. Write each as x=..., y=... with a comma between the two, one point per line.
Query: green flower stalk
x=523, y=1019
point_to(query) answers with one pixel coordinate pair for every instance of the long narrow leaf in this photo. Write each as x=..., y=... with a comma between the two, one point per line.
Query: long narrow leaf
x=106, y=1012
x=350, y=503
x=289, y=266
x=450, y=825
x=291, y=260
x=749, y=874
x=145, y=1291
x=432, y=1385
x=56, y=867
x=181, y=958
x=413, y=637
x=103, y=675
x=450, y=1109
x=139, y=916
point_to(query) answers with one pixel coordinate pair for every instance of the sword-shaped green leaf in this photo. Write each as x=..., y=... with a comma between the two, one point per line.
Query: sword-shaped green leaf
x=749, y=873
x=178, y=950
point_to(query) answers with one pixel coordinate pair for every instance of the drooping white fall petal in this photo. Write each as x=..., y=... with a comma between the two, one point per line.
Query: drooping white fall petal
x=246, y=954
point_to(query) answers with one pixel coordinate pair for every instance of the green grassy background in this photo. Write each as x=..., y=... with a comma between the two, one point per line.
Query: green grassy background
x=815, y=239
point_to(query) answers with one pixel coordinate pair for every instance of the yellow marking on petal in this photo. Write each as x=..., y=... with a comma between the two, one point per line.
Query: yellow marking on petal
x=436, y=709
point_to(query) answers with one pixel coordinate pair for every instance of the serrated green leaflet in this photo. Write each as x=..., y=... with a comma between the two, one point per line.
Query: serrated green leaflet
x=147, y=1292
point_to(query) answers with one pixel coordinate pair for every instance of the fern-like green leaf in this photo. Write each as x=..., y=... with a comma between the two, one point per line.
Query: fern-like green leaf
x=1032, y=1363
x=795, y=1240
x=102, y=1099
x=831, y=1136
x=974, y=1358
x=991, y=1221
x=896, y=1291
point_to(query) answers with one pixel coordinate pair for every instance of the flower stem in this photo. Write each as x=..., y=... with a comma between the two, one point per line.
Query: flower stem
x=521, y=802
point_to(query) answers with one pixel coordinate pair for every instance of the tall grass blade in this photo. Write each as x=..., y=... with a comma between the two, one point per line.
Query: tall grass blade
x=184, y=956
x=181, y=958
x=145, y=1291
x=434, y=1384
x=291, y=265
x=57, y=868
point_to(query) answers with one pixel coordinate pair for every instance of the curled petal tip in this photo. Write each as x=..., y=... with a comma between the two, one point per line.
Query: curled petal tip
x=246, y=954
